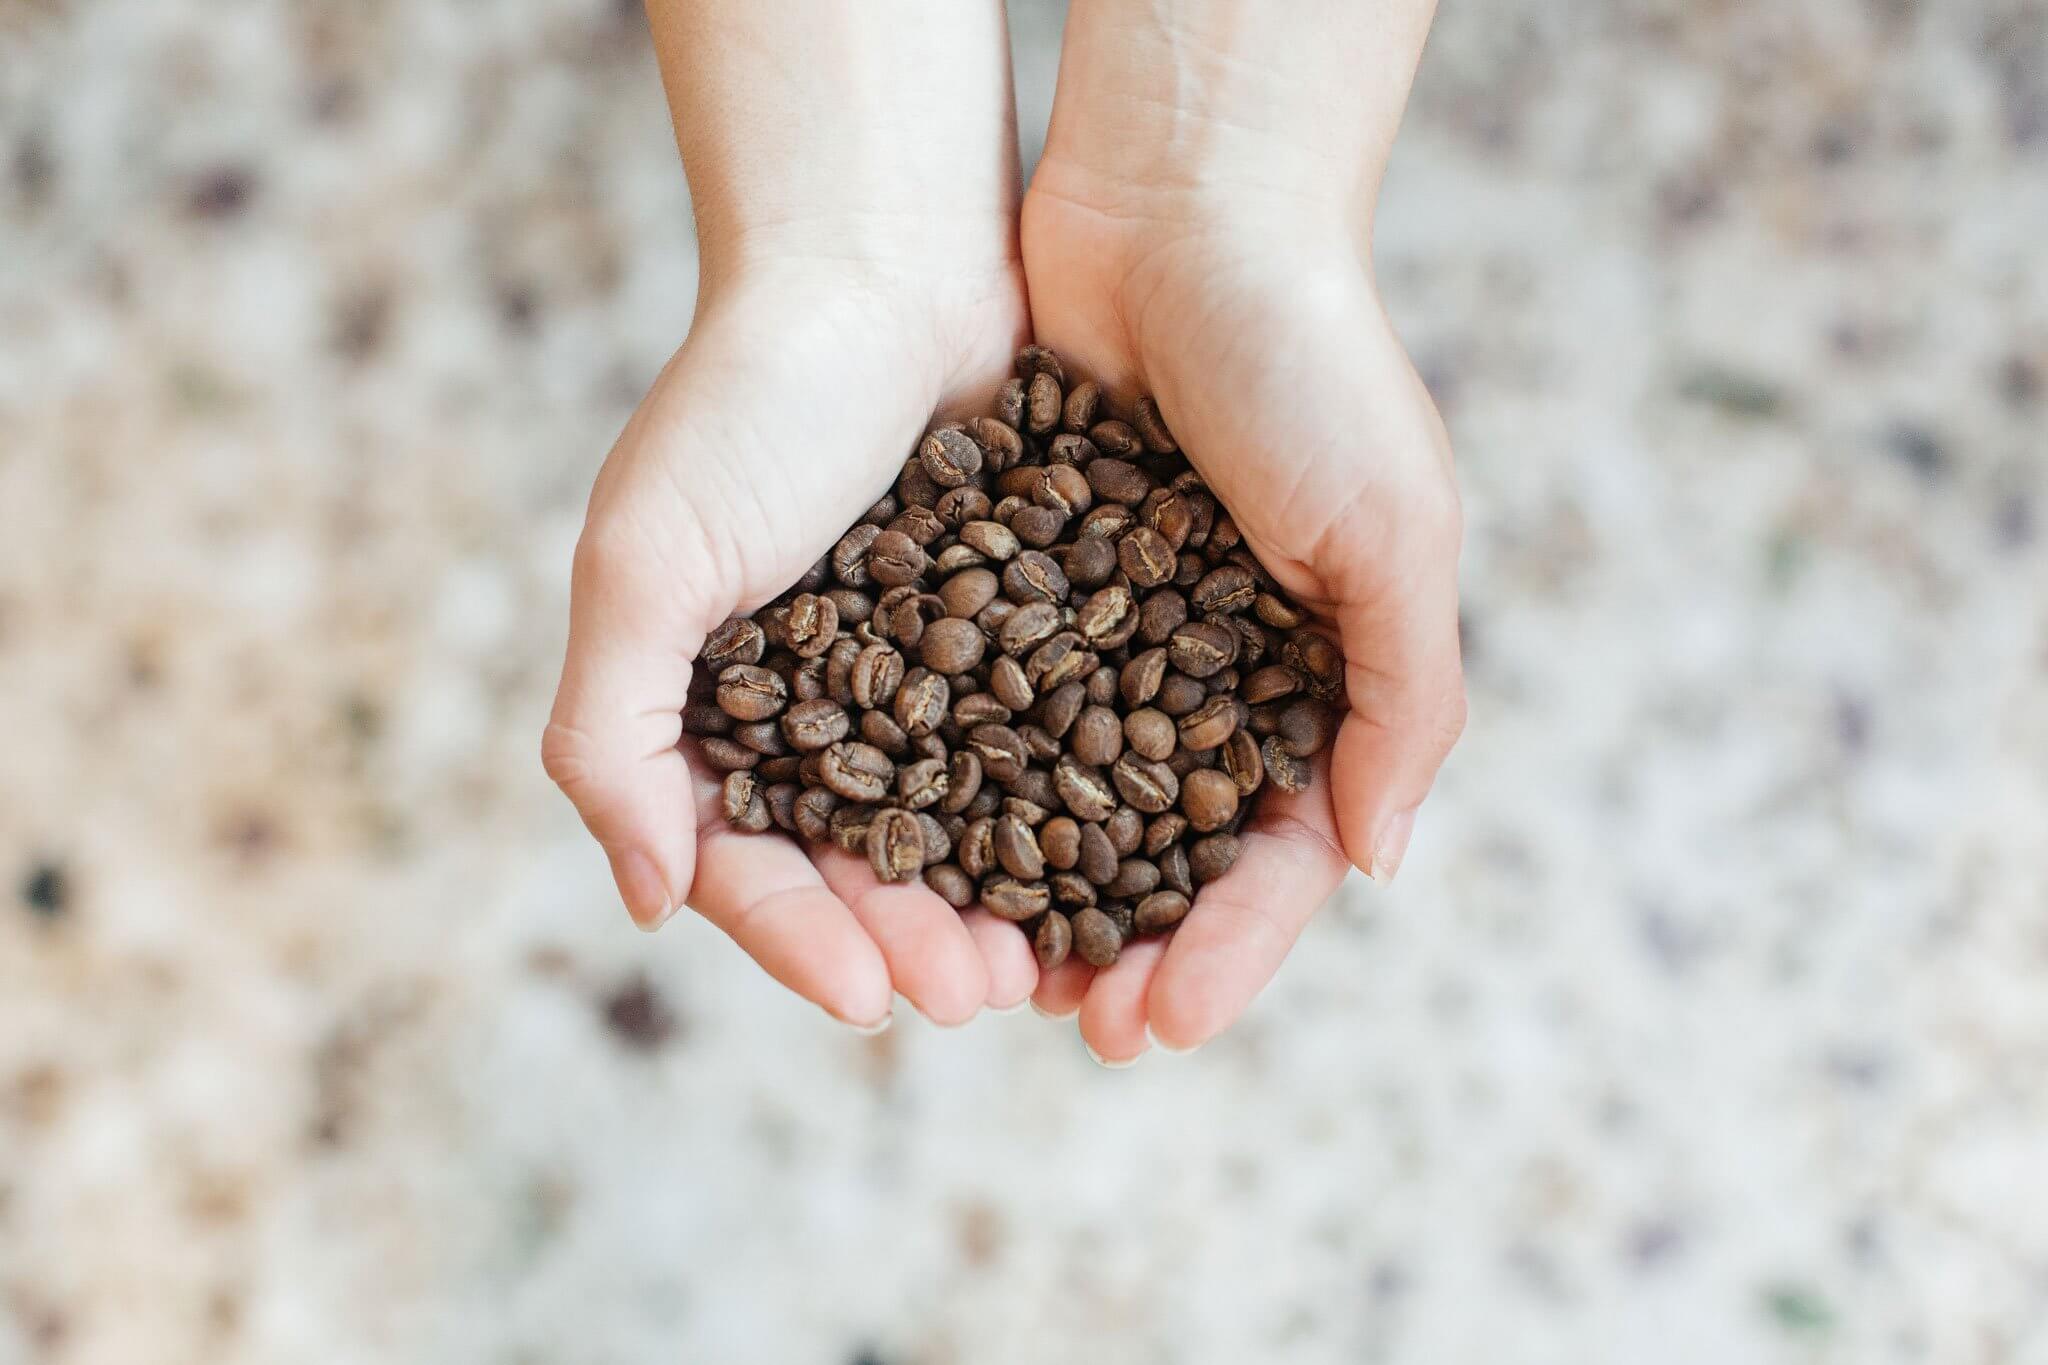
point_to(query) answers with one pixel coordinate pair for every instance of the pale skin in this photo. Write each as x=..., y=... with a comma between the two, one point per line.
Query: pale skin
x=1199, y=228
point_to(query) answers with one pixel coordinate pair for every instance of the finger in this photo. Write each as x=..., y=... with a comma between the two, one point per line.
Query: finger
x=610, y=743
x=932, y=959
x=1242, y=925
x=1405, y=684
x=768, y=897
x=1114, y=1010
x=1061, y=990
x=1012, y=970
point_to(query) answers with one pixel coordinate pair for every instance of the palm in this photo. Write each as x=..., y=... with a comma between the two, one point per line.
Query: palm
x=1286, y=389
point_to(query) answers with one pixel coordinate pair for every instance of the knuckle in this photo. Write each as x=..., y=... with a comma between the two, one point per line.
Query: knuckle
x=566, y=753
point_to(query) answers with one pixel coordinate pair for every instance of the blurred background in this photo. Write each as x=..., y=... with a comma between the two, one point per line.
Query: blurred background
x=1709, y=1021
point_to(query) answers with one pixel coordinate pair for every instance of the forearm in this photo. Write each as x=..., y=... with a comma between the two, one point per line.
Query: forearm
x=1295, y=101
x=877, y=131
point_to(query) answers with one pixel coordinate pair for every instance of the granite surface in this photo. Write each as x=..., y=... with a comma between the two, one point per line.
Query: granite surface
x=1708, y=1024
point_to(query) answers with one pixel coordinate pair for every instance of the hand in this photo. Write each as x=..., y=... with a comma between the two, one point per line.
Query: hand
x=1246, y=305
x=838, y=308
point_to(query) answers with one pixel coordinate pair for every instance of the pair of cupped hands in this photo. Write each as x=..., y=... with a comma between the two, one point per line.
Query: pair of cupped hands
x=822, y=347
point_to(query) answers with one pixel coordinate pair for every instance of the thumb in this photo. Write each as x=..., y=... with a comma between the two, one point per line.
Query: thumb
x=610, y=744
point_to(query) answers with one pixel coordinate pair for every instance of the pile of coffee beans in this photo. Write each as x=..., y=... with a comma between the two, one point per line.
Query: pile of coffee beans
x=1044, y=674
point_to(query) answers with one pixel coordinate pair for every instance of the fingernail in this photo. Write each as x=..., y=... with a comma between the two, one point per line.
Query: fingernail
x=1153, y=1038
x=1392, y=846
x=1107, y=1064
x=1044, y=1013
x=870, y=1030
x=640, y=887
x=1009, y=1009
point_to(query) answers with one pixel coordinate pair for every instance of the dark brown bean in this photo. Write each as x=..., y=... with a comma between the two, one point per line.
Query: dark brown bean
x=1240, y=758
x=745, y=809
x=1150, y=733
x=781, y=798
x=1097, y=737
x=1029, y=626
x=1145, y=557
x=738, y=641
x=1059, y=839
x=949, y=458
x=1017, y=849
x=975, y=849
x=951, y=645
x=968, y=591
x=922, y=783
x=1090, y=561
x=814, y=812
x=1318, y=660
x=1001, y=751
x=1009, y=404
x=950, y=884
x=1062, y=708
x=849, y=826
x=1283, y=769
x=1098, y=860
x=895, y=845
x=1200, y=649
x=1270, y=684
x=1007, y=683
x=1148, y=785
x=1209, y=724
x=849, y=558
x=813, y=623
x=1151, y=428
x=1084, y=791
x=1053, y=941
x=1161, y=911
x=990, y=538
x=813, y=725
x=1209, y=799
x=1306, y=726
x=922, y=701
x=1228, y=589
x=1180, y=694
x=1042, y=401
x=1116, y=438
x=1011, y=899
x=857, y=771
x=1034, y=576
x=1083, y=401
x=1126, y=831
x=1134, y=877
x=1210, y=858
x=749, y=692
x=1096, y=937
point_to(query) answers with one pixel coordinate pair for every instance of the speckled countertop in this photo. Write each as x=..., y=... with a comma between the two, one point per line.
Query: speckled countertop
x=1709, y=1022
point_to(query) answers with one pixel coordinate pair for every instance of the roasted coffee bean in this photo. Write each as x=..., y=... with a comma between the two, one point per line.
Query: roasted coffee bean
x=700, y=718
x=922, y=783
x=1147, y=784
x=950, y=884
x=1240, y=758
x=1071, y=891
x=895, y=560
x=1062, y=708
x=975, y=849
x=1098, y=860
x=813, y=813
x=1063, y=659
x=1166, y=512
x=991, y=539
x=1117, y=481
x=849, y=558
x=1227, y=589
x=1210, y=858
x=1017, y=849
x=1001, y=751
x=1007, y=683
x=1053, y=941
x=1151, y=428
x=949, y=458
x=1083, y=790
x=1278, y=612
x=1036, y=785
x=1011, y=899
x=849, y=824
x=857, y=771
x=1101, y=687
x=1039, y=744
x=1200, y=649
x=1164, y=832
x=967, y=592
x=813, y=623
x=783, y=768
x=1029, y=626
x=922, y=701
x=1109, y=617
x=1270, y=683
x=1209, y=799
x=980, y=708
x=1161, y=911
x=1173, y=870
x=895, y=845
x=877, y=673
x=1283, y=769
x=1209, y=724
x=839, y=661
x=963, y=782
x=1072, y=450
x=1319, y=661
x=1160, y=615
x=1042, y=401
x=1096, y=938
x=1037, y=526
x=737, y=641
x=1115, y=438
x=921, y=524
x=1134, y=877
x=1306, y=727
x=745, y=809
x=956, y=508
x=1084, y=400
x=750, y=692
x=1063, y=489
x=1097, y=737
x=998, y=440
x=951, y=645
x=1126, y=831
x=1139, y=680
x=1144, y=556
x=1059, y=839
x=938, y=845
x=815, y=724
x=913, y=615
x=1090, y=561
x=1150, y=733
x=1034, y=576
x=881, y=730
x=780, y=797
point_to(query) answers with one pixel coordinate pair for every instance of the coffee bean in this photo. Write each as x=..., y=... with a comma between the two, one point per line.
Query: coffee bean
x=1210, y=858
x=1009, y=404
x=1134, y=877
x=1270, y=684
x=1147, y=784
x=1319, y=661
x=815, y=724
x=1161, y=911
x=700, y=718
x=1063, y=489
x=1115, y=438
x=1039, y=743
x=1117, y=481
x=786, y=768
x=849, y=826
x=1042, y=402
x=1030, y=625
x=938, y=844
x=1108, y=618
x=922, y=783
x=951, y=645
x=1200, y=649
x=737, y=641
x=979, y=708
x=921, y=701
x=749, y=692
x=877, y=673
x=764, y=737
x=949, y=458
x=1062, y=708
x=1083, y=401
x=1096, y=937
x=1209, y=799
x=745, y=809
x=849, y=558
x=975, y=849
x=1097, y=737
x=1007, y=683
x=958, y=506
x=895, y=846
x=1241, y=760
x=1059, y=839
x=1037, y=526
x=1083, y=790
x=1102, y=685
x=1003, y=446
x=1126, y=831
x=1098, y=860
x=1209, y=724
x=990, y=538
x=895, y=560
x=1053, y=941
x=781, y=797
x=1228, y=589
x=1001, y=751
x=1278, y=612
x=1145, y=557
x=1090, y=561
x=857, y=771
x=813, y=622
x=950, y=884
x=1071, y=891
x=1034, y=576
x=1011, y=899
x=1150, y=733
x=813, y=813
x=963, y=782
x=1017, y=849
x=1283, y=769
x=1306, y=727
x=1151, y=428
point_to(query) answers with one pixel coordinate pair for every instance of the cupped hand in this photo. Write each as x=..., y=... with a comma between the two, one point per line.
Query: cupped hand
x=1257, y=327
x=787, y=412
